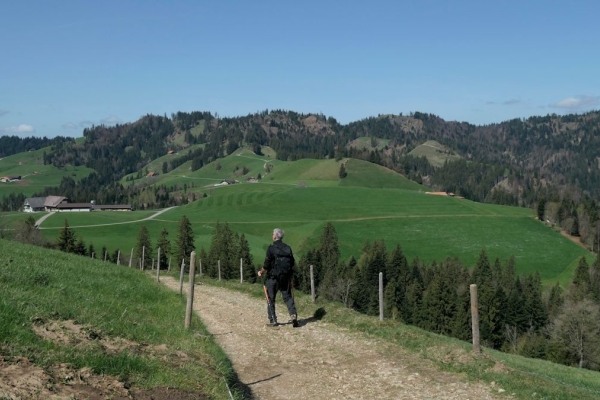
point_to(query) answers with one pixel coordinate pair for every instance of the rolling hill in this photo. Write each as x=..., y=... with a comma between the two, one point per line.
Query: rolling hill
x=371, y=203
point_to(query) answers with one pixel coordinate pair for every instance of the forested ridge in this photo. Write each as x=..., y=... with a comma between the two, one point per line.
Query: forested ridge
x=548, y=163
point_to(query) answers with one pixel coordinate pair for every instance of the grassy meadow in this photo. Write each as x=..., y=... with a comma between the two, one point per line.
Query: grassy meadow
x=372, y=203
x=39, y=286
x=35, y=176
x=436, y=153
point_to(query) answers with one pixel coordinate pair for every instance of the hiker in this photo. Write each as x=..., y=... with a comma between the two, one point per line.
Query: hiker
x=277, y=270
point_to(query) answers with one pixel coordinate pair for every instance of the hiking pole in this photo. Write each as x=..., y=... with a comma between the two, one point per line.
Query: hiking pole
x=269, y=309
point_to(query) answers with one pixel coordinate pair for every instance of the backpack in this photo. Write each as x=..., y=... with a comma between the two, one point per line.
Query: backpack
x=283, y=261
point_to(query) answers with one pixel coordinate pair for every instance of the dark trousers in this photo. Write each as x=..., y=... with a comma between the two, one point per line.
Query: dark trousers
x=282, y=284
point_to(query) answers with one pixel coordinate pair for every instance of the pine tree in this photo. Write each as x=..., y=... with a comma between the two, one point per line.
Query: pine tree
x=184, y=244
x=595, y=279
x=143, y=248
x=534, y=305
x=164, y=245
x=482, y=273
x=91, y=251
x=246, y=257
x=461, y=326
x=342, y=174
x=66, y=239
x=398, y=266
x=581, y=285
x=439, y=303
x=329, y=251
x=80, y=247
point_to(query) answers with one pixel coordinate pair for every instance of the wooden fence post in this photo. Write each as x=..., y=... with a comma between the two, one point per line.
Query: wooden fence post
x=131, y=258
x=241, y=270
x=190, y=299
x=158, y=267
x=105, y=255
x=93, y=254
x=119, y=258
x=169, y=269
x=200, y=262
x=475, y=318
x=219, y=269
x=381, y=296
x=181, y=276
x=143, y=257
x=152, y=263
x=312, y=284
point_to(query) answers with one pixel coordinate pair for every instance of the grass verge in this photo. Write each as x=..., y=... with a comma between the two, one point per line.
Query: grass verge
x=39, y=287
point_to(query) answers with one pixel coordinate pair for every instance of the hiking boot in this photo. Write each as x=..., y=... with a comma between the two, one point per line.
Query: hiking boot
x=272, y=324
x=294, y=319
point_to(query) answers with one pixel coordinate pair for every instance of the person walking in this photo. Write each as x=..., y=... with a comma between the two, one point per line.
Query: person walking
x=277, y=270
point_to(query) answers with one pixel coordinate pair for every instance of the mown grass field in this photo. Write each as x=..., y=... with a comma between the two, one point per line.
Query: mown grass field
x=40, y=285
x=426, y=226
x=371, y=203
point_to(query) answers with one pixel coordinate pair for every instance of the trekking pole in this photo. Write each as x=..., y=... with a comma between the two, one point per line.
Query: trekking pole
x=267, y=296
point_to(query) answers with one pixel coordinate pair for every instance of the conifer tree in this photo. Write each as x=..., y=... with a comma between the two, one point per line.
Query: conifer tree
x=164, y=244
x=91, y=251
x=534, y=305
x=581, y=285
x=398, y=267
x=143, y=248
x=184, y=244
x=439, y=303
x=482, y=273
x=555, y=300
x=516, y=315
x=492, y=306
x=595, y=279
x=79, y=247
x=246, y=257
x=329, y=250
x=461, y=326
x=66, y=239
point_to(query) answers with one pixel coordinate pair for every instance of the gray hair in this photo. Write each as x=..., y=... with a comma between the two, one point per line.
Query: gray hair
x=278, y=233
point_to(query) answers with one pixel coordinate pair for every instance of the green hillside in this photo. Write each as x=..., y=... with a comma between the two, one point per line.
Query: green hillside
x=435, y=153
x=35, y=176
x=426, y=226
x=113, y=306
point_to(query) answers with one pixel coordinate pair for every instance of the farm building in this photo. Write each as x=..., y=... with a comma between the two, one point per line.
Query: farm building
x=61, y=204
x=11, y=178
x=49, y=203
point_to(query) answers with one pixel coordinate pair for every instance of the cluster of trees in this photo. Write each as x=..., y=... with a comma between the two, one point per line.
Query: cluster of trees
x=145, y=253
x=15, y=144
x=516, y=314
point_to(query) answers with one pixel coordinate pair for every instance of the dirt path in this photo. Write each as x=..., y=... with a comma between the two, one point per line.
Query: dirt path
x=317, y=360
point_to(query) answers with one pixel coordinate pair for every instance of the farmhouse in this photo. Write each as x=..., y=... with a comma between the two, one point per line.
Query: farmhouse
x=61, y=204
x=11, y=178
x=118, y=207
x=77, y=207
x=35, y=204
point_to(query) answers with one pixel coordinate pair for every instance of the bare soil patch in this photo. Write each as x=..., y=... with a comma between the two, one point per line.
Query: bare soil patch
x=319, y=360
x=21, y=379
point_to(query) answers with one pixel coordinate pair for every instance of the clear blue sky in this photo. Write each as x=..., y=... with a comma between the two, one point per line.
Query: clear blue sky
x=65, y=65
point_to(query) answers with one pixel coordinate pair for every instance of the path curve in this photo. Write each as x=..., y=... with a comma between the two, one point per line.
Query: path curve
x=156, y=214
x=318, y=360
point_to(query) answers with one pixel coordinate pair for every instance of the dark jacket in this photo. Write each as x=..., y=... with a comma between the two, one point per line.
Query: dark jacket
x=277, y=249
